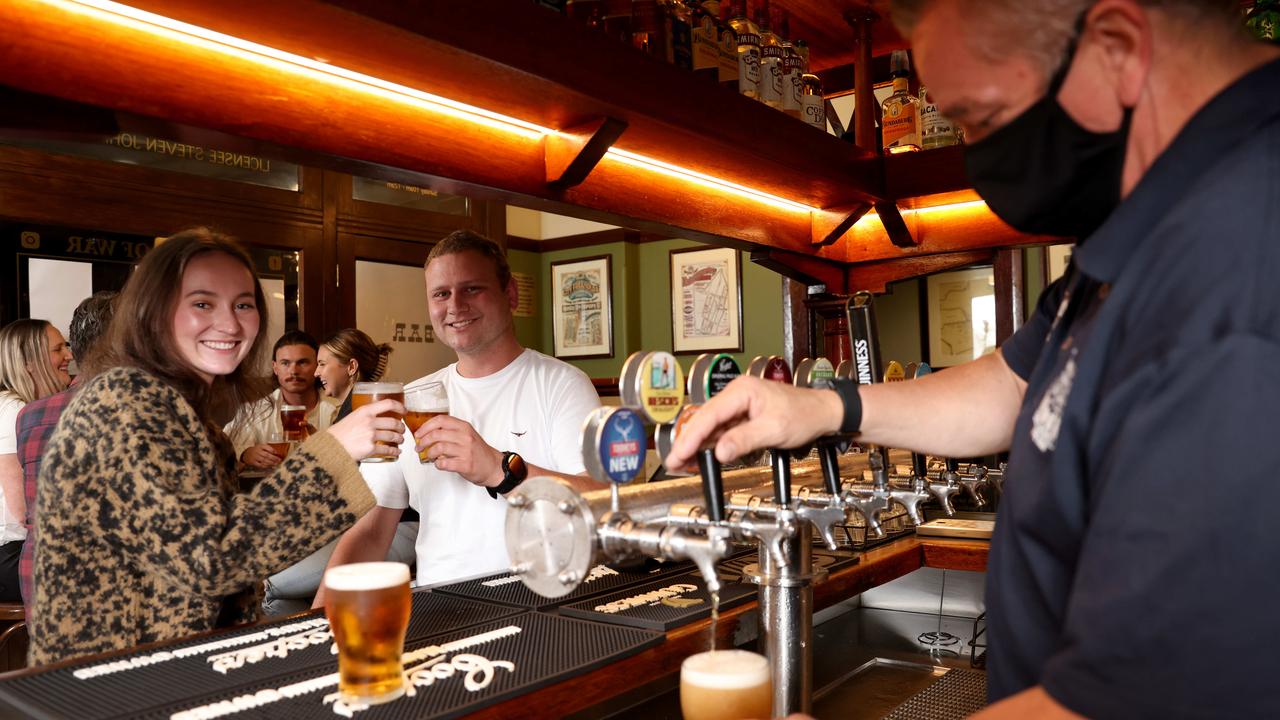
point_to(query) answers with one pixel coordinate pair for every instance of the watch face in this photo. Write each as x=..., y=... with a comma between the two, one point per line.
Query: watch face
x=515, y=466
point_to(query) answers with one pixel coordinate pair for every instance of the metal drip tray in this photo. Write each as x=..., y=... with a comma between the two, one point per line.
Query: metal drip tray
x=882, y=688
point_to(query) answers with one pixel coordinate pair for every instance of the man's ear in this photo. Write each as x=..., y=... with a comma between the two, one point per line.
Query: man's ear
x=1122, y=29
x=513, y=293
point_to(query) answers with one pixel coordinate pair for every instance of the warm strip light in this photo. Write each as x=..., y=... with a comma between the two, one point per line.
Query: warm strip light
x=906, y=212
x=658, y=166
x=176, y=30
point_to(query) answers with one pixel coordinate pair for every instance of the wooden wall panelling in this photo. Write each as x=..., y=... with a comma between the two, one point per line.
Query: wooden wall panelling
x=1010, y=292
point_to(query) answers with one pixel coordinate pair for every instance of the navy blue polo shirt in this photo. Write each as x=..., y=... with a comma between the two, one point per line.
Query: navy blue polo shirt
x=1135, y=568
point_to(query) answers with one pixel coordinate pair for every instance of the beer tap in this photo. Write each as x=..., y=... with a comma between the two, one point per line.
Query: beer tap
x=969, y=481
x=818, y=373
x=864, y=339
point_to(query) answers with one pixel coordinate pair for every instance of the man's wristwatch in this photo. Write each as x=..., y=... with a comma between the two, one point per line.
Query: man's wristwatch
x=514, y=471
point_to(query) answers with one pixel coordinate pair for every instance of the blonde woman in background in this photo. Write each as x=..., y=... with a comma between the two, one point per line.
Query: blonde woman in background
x=33, y=365
x=347, y=357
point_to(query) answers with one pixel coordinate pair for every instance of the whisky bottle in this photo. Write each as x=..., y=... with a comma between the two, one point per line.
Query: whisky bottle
x=644, y=28
x=748, y=38
x=706, y=40
x=587, y=12
x=728, y=47
x=900, y=111
x=793, y=70
x=770, y=56
x=813, y=106
x=935, y=130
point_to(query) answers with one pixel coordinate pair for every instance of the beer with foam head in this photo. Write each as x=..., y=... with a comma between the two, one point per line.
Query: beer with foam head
x=726, y=685
x=368, y=609
x=364, y=393
x=293, y=421
x=421, y=403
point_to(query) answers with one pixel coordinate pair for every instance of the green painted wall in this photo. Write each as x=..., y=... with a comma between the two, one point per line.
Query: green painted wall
x=528, y=329
x=898, y=319
x=642, y=303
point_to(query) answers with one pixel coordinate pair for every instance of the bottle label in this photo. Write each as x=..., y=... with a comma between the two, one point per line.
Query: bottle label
x=706, y=50
x=749, y=69
x=815, y=111
x=771, y=73
x=900, y=129
x=792, y=85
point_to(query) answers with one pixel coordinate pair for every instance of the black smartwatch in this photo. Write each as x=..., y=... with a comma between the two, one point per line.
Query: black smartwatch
x=514, y=471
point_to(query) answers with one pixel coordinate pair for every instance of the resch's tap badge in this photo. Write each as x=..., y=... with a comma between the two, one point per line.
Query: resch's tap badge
x=621, y=445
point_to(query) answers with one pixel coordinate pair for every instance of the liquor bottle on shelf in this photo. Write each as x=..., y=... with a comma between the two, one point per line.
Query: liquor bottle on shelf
x=587, y=12
x=901, y=110
x=728, y=75
x=813, y=106
x=645, y=34
x=681, y=37
x=935, y=129
x=770, y=56
x=706, y=40
x=748, y=38
x=793, y=70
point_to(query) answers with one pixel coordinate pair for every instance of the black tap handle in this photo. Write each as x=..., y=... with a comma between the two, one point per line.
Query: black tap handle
x=919, y=465
x=830, y=467
x=781, y=460
x=953, y=465
x=712, y=484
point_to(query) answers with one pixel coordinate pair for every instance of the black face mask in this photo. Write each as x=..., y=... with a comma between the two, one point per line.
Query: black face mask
x=1044, y=174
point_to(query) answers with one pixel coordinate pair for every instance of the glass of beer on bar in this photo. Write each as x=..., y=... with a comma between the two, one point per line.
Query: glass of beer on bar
x=293, y=420
x=280, y=445
x=421, y=403
x=364, y=393
x=367, y=605
x=726, y=685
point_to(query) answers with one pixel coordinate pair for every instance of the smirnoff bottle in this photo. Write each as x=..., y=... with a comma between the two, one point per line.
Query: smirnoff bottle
x=793, y=70
x=748, y=36
x=770, y=56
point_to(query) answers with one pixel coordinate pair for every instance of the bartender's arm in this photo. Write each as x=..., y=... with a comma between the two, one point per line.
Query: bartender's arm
x=1030, y=703
x=963, y=411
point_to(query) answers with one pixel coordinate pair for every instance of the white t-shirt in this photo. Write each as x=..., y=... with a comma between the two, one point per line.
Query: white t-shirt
x=256, y=423
x=535, y=407
x=10, y=405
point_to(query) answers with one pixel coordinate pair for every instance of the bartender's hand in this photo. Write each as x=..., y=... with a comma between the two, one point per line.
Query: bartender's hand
x=363, y=432
x=260, y=456
x=752, y=414
x=455, y=446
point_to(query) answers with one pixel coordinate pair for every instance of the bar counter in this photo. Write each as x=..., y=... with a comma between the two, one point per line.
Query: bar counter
x=876, y=567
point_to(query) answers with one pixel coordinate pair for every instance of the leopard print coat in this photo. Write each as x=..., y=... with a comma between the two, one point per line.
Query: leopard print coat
x=143, y=534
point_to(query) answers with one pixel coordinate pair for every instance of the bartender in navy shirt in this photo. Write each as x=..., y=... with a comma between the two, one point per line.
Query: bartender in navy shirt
x=1135, y=564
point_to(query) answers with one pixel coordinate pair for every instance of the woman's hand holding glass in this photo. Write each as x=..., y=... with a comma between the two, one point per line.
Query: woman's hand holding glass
x=366, y=431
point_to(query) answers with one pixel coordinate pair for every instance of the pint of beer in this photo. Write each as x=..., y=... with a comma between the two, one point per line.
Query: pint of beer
x=725, y=685
x=421, y=403
x=364, y=393
x=368, y=609
x=293, y=419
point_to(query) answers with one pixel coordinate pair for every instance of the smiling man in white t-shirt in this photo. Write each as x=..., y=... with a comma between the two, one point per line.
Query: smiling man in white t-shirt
x=513, y=413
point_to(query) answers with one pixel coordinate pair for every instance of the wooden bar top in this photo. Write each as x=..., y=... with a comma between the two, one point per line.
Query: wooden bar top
x=876, y=567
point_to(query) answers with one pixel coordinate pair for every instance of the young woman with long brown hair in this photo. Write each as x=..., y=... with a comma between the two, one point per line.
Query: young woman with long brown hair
x=144, y=535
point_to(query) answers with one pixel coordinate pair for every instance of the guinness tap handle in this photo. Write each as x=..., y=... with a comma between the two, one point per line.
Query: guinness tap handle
x=864, y=339
x=712, y=484
x=707, y=377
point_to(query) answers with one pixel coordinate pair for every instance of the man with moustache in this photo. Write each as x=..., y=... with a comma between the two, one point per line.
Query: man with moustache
x=513, y=412
x=1134, y=558
x=293, y=361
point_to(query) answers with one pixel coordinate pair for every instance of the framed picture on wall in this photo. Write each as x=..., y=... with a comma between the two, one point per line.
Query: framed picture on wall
x=706, y=300
x=960, y=309
x=582, y=307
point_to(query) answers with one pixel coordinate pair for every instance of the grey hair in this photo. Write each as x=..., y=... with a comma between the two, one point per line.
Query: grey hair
x=89, y=320
x=1042, y=29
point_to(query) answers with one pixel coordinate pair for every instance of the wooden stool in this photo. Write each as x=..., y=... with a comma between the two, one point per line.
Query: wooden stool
x=13, y=637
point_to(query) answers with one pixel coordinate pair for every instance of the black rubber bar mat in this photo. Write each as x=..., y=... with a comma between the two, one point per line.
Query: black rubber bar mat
x=126, y=685
x=731, y=569
x=507, y=588
x=464, y=671
x=663, y=605
x=957, y=694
